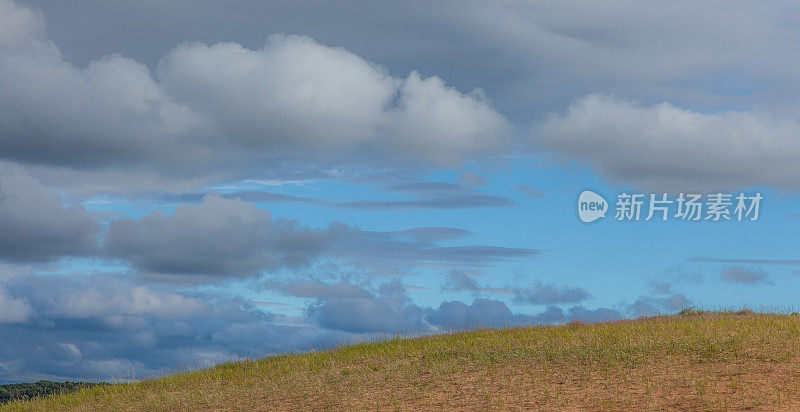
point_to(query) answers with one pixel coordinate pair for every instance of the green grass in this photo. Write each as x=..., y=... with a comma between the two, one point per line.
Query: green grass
x=694, y=360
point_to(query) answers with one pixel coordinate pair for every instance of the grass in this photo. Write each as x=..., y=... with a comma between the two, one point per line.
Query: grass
x=693, y=360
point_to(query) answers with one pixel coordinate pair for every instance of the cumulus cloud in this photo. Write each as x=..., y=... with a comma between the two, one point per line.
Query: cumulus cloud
x=226, y=109
x=744, y=275
x=649, y=305
x=219, y=238
x=480, y=313
x=666, y=147
x=293, y=92
x=105, y=327
x=34, y=225
x=544, y=294
x=351, y=307
x=13, y=310
x=360, y=308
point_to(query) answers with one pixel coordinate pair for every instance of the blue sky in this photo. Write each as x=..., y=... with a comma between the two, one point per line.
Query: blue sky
x=183, y=182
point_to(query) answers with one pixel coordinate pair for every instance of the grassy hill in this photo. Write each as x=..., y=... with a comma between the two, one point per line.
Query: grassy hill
x=709, y=361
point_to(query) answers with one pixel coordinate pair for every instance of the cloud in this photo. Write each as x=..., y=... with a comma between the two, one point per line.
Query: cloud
x=458, y=281
x=433, y=234
x=480, y=313
x=743, y=275
x=663, y=283
x=219, y=238
x=106, y=326
x=530, y=191
x=543, y=294
x=452, y=202
x=13, y=310
x=390, y=251
x=226, y=110
x=262, y=196
x=212, y=107
x=664, y=147
x=538, y=294
x=649, y=306
x=472, y=179
x=530, y=56
x=433, y=195
x=348, y=307
x=777, y=262
x=34, y=225
x=86, y=327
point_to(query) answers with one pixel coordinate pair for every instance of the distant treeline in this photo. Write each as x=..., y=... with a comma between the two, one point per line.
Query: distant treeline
x=16, y=391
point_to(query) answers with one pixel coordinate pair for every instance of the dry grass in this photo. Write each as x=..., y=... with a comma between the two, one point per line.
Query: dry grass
x=720, y=361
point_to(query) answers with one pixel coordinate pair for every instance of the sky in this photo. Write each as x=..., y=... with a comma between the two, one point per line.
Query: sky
x=184, y=183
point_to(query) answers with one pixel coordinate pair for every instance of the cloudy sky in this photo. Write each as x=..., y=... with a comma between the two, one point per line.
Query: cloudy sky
x=185, y=182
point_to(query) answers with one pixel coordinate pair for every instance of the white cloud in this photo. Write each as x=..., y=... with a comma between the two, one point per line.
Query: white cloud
x=666, y=147
x=13, y=310
x=227, y=109
x=293, y=92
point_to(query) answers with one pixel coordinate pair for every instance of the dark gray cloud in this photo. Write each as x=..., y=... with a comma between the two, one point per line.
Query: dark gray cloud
x=389, y=310
x=352, y=307
x=582, y=314
x=494, y=313
x=744, y=275
x=105, y=327
x=649, y=305
x=218, y=238
x=34, y=225
x=481, y=313
x=356, y=308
